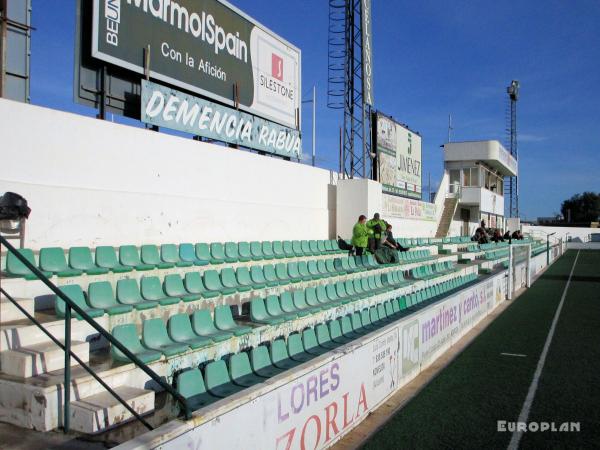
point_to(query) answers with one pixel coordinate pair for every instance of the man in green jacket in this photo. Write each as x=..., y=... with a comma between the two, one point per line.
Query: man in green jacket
x=377, y=227
x=360, y=235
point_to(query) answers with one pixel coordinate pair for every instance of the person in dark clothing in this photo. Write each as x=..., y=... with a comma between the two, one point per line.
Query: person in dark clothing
x=387, y=239
x=497, y=237
x=507, y=235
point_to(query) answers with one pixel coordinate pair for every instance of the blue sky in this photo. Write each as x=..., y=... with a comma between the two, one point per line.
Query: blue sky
x=431, y=58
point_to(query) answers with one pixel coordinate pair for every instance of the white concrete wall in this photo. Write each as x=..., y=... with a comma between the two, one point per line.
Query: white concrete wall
x=561, y=232
x=355, y=197
x=93, y=182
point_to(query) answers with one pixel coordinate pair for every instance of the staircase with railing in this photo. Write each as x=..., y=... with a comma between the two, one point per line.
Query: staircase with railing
x=449, y=209
x=50, y=347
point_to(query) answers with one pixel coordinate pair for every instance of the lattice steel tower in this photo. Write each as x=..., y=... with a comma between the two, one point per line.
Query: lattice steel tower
x=345, y=86
x=511, y=184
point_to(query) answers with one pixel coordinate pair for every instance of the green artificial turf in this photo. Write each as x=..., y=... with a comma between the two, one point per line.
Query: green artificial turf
x=461, y=406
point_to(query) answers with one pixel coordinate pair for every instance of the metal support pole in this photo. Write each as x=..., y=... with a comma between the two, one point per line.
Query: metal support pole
x=3, y=33
x=547, y=250
x=103, y=77
x=314, y=105
x=67, y=386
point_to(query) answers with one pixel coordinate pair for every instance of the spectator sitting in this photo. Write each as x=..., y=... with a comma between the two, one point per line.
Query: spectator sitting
x=507, y=235
x=387, y=239
x=497, y=237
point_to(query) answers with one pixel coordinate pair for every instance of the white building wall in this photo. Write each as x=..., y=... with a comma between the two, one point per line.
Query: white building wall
x=93, y=182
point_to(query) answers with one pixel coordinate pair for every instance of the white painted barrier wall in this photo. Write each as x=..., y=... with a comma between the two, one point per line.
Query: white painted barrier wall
x=93, y=182
x=574, y=233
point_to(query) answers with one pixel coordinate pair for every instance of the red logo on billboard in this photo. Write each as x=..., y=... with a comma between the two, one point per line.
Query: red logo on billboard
x=277, y=66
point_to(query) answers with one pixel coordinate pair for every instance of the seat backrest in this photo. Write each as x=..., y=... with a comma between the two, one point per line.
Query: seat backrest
x=288, y=248
x=256, y=250
x=53, y=259
x=187, y=252
x=15, y=267
x=331, y=292
x=223, y=317
x=212, y=282
x=346, y=323
x=126, y=335
x=217, y=251
x=287, y=302
x=231, y=250
x=243, y=276
x=81, y=258
x=149, y=254
x=278, y=350
x=193, y=283
x=259, y=357
x=129, y=256
x=335, y=328
x=228, y=278
x=190, y=383
x=100, y=294
x=257, y=275
x=239, y=365
x=281, y=271
x=309, y=338
x=267, y=249
x=321, y=246
x=173, y=285
x=216, y=374
x=294, y=344
x=273, y=306
x=106, y=257
x=297, y=248
x=154, y=333
x=75, y=293
x=269, y=272
x=128, y=291
x=278, y=248
x=202, y=322
x=169, y=253
x=299, y=299
x=203, y=251
x=322, y=332
x=151, y=288
x=258, y=311
x=310, y=294
x=244, y=250
x=180, y=327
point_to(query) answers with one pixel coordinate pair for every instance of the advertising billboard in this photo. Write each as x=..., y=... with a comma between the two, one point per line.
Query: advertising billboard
x=208, y=47
x=398, y=157
x=367, y=52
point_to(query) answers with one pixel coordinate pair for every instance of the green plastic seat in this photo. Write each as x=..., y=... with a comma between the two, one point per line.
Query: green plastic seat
x=297, y=249
x=129, y=256
x=194, y=284
x=155, y=337
x=294, y=273
x=261, y=362
x=282, y=273
x=187, y=254
x=311, y=345
x=127, y=335
x=173, y=287
x=274, y=309
x=128, y=293
x=268, y=249
x=170, y=255
x=313, y=270
x=203, y=253
x=321, y=247
x=218, y=382
x=303, y=270
x=149, y=255
x=245, y=280
x=288, y=249
x=296, y=349
x=101, y=296
x=333, y=271
x=180, y=330
x=287, y=305
x=336, y=334
x=332, y=295
x=321, y=292
x=278, y=250
x=106, y=257
x=257, y=277
x=52, y=259
x=271, y=278
x=16, y=268
x=213, y=283
x=203, y=325
x=329, y=247
x=151, y=289
x=310, y=293
x=230, y=282
x=224, y=321
x=244, y=253
x=299, y=300
x=324, y=338
x=257, y=253
x=80, y=258
x=365, y=318
x=75, y=293
x=217, y=251
x=231, y=251
x=348, y=330
x=322, y=268
x=280, y=356
x=190, y=385
x=259, y=314
x=307, y=248
x=241, y=372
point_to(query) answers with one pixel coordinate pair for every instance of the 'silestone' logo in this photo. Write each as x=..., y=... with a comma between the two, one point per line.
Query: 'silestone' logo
x=277, y=67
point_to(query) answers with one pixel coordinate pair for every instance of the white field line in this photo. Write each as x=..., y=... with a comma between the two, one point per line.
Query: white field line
x=524, y=415
x=514, y=354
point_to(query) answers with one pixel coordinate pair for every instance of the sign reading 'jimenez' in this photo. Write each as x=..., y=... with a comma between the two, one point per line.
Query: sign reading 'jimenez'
x=170, y=108
x=204, y=46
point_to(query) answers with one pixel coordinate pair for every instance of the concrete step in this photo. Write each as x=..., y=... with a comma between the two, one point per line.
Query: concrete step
x=29, y=361
x=102, y=411
x=10, y=313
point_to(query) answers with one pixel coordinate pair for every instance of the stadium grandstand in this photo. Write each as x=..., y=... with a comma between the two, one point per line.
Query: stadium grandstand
x=203, y=288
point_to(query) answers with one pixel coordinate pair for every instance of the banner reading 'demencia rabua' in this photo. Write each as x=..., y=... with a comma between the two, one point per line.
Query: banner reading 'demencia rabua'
x=165, y=107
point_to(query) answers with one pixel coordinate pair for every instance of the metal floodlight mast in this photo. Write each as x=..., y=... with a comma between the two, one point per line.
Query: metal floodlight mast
x=346, y=83
x=511, y=191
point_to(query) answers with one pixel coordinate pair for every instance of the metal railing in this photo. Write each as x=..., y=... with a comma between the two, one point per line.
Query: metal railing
x=70, y=306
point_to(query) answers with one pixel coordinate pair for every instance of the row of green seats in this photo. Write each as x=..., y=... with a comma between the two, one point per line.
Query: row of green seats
x=493, y=245
x=429, y=272
x=436, y=291
x=456, y=239
x=181, y=334
x=52, y=260
x=291, y=305
x=496, y=254
x=414, y=256
x=150, y=292
x=245, y=369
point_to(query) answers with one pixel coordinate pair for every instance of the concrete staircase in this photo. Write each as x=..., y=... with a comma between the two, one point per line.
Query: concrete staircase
x=450, y=205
